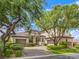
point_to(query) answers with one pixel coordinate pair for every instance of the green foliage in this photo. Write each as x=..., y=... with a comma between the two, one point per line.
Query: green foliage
x=17, y=47
x=8, y=53
x=26, y=9
x=18, y=53
x=11, y=48
x=16, y=11
x=64, y=43
x=1, y=46
x=59, y=20
x=62, y=49
x=62, y=17
x=55, y=47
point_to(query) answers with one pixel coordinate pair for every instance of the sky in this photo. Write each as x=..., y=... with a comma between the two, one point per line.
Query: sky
x=50, y=4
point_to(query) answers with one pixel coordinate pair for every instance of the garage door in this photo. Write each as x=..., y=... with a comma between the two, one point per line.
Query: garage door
x=21, y=41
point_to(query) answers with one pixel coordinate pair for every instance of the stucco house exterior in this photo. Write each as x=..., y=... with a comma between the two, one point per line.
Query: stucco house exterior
x=24, y=38
x=38, y=38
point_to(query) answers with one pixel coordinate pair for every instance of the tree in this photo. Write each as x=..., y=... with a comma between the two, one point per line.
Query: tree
x=14, y=11
x=59, y=20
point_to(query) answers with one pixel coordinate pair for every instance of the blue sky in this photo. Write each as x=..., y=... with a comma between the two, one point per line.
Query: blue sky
x=75, y=33
x=51, y=3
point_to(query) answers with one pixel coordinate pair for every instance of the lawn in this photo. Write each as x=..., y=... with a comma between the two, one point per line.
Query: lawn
x=61, y=49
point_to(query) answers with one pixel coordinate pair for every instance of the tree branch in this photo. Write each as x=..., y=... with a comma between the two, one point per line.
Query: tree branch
x=1, y=31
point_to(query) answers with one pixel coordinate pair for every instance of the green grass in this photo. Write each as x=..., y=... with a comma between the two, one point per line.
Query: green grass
x=62, y=49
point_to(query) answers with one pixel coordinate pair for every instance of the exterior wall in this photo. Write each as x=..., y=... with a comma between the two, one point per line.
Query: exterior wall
x=49, y=41
x=27, y=40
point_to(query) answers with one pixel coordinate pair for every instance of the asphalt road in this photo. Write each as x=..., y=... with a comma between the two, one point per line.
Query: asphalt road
x=57, y=57
x=74, y=56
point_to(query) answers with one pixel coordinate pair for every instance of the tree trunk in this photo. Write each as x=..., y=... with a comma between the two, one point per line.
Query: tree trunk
x=8, y=32
x=55, y=42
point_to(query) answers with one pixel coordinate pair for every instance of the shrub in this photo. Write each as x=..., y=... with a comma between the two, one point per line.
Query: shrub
x=18, y=53
x=63, y=43
x=17, y=47
x=77, y=46
x=8, y=52
x=60, y=49
x=14, y=48
x=11, y=48
x=1, y=48
x=50, y=47
x=55, y=47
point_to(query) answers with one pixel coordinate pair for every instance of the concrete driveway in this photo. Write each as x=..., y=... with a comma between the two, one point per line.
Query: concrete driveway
x=35, y=51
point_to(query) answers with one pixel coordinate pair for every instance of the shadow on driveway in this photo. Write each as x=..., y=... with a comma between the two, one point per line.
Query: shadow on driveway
x=41, y=53
x=35, y=52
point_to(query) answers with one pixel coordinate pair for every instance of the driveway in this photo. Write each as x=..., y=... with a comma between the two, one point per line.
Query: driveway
x=35, y=51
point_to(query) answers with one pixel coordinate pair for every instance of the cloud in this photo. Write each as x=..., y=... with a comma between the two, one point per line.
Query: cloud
x=75, y=33
x=77, y=2
x=48, y=9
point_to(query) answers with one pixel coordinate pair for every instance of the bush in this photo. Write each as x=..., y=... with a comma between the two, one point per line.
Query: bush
x=50, y=47
x=18, y=53
x=55, y=47
x=8, y=52
x=1, y=48
x=77, y=46
x=63, y=43
x=14, y=48
x=61, y=49
x=17, y=47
